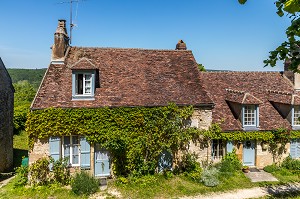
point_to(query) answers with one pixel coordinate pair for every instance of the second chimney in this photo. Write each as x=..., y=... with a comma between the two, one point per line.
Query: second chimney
x=180, y=45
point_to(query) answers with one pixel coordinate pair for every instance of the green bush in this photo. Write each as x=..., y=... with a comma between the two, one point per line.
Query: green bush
x=271, y=168
x=230, y=163
x=21, y=178
x=189, y=163
x=61, y=173
x=39, y=172
x=195, y=175
x=209, y=177
x=291, y=164
x=84, y=184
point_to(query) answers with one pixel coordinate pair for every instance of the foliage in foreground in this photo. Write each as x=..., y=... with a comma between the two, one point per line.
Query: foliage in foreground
x=287, y=171
x=84, y=184
x=290, y=48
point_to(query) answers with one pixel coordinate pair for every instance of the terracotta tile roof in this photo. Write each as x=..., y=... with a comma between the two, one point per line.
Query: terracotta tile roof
x=125, y=77
x=248, y=87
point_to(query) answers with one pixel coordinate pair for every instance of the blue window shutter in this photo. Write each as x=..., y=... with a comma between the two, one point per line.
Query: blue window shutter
x=229, y=146
x=85, y=158
x=54, y=143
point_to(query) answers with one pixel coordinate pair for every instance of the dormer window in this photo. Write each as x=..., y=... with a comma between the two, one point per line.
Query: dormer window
x=296, y=116
x=83, y=84
x=250, y=119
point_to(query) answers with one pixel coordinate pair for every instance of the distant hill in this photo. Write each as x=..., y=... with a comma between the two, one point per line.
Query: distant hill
x=33, y=76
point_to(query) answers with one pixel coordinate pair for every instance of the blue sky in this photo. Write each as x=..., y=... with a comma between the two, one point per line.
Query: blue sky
x=222, y=33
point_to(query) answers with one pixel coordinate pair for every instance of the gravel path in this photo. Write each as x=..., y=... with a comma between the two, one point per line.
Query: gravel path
x=250, y=193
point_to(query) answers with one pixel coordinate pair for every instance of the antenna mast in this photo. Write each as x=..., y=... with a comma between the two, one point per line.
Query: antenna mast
x=71, y=15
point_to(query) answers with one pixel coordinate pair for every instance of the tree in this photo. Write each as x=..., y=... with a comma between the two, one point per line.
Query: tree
x=289, y=49
x=201, y=67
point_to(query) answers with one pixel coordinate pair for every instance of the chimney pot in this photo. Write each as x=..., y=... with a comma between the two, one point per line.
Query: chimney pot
x=181, y=45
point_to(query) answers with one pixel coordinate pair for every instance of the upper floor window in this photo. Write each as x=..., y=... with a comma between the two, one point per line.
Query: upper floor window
x=296, y=116
x=250, y=116
x=83, y=84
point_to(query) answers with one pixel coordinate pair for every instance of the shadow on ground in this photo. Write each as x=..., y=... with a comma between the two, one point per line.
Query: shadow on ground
x=287, y=191
x=19, y=154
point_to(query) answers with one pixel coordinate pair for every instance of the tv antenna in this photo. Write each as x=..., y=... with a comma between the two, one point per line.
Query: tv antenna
x=71, y=14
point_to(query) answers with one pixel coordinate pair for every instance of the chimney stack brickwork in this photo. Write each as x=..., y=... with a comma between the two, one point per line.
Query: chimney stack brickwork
x=181, y=45
x=61, y=42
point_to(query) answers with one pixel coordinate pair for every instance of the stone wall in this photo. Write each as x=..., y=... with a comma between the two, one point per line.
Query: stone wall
x=202, y=119
x=40, y=149
x=6, y=119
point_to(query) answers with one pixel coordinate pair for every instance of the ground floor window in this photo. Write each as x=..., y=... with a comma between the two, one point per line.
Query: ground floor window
x=74, y=147
x=218, y=149
x=71, y=146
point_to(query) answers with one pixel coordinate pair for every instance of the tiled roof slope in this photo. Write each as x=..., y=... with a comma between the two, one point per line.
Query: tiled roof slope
x=127, y=77
x=258, y=85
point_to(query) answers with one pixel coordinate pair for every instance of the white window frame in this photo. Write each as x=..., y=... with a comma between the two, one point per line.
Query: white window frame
x=71, y=149
x=220, y=147
x=295, y=111
x=255, y=114
x=92, y=80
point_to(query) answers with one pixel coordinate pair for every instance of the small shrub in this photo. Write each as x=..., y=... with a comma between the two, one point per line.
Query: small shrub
x=291, y=164
x=21, y=178
x=195, y=175
x=189, y=163
x=61, y=173
x=209, y=177
x=230, y=163
x=39, y=172
x=84, y=184
x=167, y=174
x=271, y=168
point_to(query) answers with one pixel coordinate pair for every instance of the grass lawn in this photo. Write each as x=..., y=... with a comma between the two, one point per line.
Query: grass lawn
x=20, y=144
x=41, y=192
x=159, y=187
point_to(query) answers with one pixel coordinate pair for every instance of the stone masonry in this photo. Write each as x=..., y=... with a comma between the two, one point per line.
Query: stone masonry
x=6, y=119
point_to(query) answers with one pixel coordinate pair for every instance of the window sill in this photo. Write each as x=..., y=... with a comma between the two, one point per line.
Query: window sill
x=250, y=128
x=82, y=97
x=296, y=127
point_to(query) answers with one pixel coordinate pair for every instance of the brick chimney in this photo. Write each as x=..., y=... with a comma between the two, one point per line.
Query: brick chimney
x=294, y=77
x=180, y=45
x=61, y=42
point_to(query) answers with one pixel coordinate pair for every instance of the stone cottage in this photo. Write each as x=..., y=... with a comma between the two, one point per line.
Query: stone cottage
x=114, y=77
x=6, y=119
x=253, y=102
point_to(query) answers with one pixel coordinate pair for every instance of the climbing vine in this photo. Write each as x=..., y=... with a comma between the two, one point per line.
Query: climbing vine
x=134, y=136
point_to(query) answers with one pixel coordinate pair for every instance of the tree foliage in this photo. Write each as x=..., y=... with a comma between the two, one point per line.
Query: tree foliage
x=201, y=67
x=24, y=94
x=289, y=49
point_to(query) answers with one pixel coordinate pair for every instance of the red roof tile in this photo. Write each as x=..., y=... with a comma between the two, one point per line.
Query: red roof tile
x=127, y=77
x=256, y=86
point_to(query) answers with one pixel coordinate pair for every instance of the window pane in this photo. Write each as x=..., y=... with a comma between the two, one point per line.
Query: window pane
x=296, y=115
x=75, y=156
x=79, y=80
x=67, y=147
x=249, y=115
